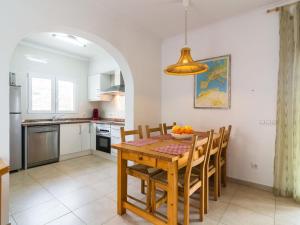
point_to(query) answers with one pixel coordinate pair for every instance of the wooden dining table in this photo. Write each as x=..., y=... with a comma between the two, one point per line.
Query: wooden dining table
x=147, y=155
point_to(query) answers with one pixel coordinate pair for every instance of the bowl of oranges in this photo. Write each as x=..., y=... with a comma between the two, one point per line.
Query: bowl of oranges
x=182, y=132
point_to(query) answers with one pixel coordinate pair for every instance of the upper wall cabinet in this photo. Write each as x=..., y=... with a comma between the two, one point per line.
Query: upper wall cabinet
x=96, y=85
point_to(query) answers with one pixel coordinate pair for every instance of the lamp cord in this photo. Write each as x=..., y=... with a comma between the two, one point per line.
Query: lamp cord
x=185, y=25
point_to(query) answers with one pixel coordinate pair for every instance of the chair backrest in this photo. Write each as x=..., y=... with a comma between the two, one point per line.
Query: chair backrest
x=198, y=155
x=166, y=127
x=215, y=149
x=154, y=130
x=225, y=141
x=124, y=133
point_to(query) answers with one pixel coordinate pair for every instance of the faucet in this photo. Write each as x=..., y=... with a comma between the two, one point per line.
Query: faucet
x=56, y=117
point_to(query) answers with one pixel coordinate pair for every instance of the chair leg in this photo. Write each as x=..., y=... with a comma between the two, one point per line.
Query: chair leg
x=142, y=186
x=148, y=196
x=220, y=181
x=216, y=185
x=201, y=210
x=186, y=209
x=206, y=194
x=224, y=175
x=153, y=197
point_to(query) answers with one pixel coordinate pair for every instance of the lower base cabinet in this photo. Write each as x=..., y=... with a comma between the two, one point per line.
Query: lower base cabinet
x=74, y=138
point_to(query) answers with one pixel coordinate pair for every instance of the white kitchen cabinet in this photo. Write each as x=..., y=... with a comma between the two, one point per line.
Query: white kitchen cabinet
x=94, y=88
x=85, y=136
x=74, y=138
x=97, y=84
x=115, y=137
x=93, y=136
x=70, y=138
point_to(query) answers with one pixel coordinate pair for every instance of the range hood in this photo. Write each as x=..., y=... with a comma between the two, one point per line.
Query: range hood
x=117, y=84
x=115, y=89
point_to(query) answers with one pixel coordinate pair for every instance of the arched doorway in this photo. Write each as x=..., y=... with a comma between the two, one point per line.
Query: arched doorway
x=118, y=57
x=129, y=93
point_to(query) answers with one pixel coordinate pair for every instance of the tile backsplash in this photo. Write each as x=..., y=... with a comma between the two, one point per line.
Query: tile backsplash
x=114, y=108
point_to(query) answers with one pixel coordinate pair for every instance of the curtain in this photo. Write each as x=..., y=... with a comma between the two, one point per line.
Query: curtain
x=287, y=154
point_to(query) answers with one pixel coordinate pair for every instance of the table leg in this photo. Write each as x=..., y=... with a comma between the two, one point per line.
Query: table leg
x=172, y=193
x=122, y=183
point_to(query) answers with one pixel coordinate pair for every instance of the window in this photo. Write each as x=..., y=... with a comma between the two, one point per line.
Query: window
x=41, y=94
x=66, y=96
x=48, y=96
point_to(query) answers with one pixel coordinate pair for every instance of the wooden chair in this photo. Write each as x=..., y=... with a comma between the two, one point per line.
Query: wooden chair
x=212, y=167
x=139, y=171
x=223, y=159
x=154, y=130
x=188, y=182
x=166, y=127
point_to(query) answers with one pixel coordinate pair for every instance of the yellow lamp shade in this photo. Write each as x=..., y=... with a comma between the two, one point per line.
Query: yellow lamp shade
x=186, y=65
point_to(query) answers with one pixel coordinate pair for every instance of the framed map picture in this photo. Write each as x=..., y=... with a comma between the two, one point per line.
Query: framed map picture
x=212, y=88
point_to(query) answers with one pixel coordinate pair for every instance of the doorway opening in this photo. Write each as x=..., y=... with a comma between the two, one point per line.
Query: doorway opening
x=69, y=96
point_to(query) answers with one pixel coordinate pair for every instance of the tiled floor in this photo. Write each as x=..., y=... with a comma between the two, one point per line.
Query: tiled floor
x=83, y=191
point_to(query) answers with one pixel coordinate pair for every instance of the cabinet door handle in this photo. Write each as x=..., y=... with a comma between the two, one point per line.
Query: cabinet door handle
x=90, y=128
x=80, y=129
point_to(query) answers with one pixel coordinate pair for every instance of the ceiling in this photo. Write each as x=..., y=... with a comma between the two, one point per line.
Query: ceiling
x=46, y=40
x=165, y=17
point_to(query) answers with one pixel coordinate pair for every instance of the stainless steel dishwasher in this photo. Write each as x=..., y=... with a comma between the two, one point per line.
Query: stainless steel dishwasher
x=42, y=145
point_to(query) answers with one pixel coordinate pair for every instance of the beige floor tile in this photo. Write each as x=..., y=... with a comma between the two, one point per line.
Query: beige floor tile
x=228, y=192
x=43, y=171
x=263, y=205
x=113, y=195
x=41, y=214
x=92, y=178
x=64, y=187
x=20, y=178
x=27, y=197
x=236, y=215
x=97, y=212
x=79, y=197
x=88, y=186
x=249, y=191
x=127, y=219
x=105, y=186
x=69, y=219
x=216, y=210
x=287, y=212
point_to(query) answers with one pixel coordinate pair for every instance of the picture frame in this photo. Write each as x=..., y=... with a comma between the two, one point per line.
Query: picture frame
x=212, y=89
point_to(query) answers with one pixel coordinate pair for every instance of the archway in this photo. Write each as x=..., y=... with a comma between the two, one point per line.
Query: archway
x=126, y=71
x=119, y=58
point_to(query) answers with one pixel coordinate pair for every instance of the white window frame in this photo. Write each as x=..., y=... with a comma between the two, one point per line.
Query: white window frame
x=30, y=76
x=54, y=94
x=74, y=95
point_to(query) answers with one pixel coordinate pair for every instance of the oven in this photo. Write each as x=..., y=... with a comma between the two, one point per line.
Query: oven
x=103, y=142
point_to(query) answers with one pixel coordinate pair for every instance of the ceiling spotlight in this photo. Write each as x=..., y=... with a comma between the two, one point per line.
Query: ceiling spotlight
x=71, y=39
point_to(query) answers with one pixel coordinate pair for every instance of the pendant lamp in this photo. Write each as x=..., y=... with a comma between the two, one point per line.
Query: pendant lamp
x=186, y=65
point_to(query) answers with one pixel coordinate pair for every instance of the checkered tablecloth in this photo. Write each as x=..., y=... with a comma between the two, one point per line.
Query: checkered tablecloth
x=162, y=137
x=174, y=149
x=141, y=142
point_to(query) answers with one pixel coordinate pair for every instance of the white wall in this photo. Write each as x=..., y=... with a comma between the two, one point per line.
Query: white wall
x=116, y=107
x=58, y=66
x=102, y=65
x=252, y=40
x=133, y=48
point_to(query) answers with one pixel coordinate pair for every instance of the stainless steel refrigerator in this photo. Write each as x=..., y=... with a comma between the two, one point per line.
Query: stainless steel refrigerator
x=15, y=122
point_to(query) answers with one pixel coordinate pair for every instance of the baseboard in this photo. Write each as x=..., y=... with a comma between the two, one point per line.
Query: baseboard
x=251, y=184
x=75, y=155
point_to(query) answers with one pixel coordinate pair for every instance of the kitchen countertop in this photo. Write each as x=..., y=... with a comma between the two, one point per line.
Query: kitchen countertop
x=42, y=122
